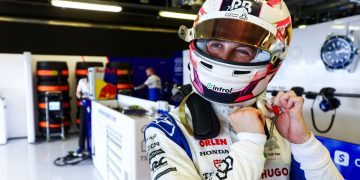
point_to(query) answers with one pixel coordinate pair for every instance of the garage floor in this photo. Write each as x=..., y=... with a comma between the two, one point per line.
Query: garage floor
x=20, y=160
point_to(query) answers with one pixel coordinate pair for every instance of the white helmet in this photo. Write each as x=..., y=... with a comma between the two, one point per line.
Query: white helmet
x=260, y=24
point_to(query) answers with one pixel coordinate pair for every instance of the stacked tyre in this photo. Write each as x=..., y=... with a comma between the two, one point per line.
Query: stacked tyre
x=52, y=76
x=81, y=71
x=124, y=81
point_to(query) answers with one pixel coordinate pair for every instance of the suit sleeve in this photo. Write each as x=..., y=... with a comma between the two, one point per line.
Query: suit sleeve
x=168, y=161
x=248, y=157
x=315, y=160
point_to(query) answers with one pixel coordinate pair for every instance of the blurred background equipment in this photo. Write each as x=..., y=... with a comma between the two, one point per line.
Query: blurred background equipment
x=81, y=71
x=123, y=76
x=328, y=103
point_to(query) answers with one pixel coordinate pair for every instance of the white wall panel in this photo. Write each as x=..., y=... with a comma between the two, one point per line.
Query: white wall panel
x=13, y=89
x=303, y=67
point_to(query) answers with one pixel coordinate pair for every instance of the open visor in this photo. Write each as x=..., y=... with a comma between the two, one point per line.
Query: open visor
x=232, y=52
x=237, y=31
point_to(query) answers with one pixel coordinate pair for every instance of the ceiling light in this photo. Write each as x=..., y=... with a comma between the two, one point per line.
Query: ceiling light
x=177, y=15
x=303, y=26
x=91, y=5
x=338, y=26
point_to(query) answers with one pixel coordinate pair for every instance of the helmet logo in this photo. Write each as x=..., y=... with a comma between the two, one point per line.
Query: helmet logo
x=218, y=89
x=230, y=5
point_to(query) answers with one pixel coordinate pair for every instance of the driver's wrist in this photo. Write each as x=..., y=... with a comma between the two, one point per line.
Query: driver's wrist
x=303, y=138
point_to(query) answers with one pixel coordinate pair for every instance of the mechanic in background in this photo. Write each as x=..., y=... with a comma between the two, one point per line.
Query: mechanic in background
x=153, y=82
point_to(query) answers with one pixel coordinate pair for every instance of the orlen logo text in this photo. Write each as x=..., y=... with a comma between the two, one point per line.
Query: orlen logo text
x=212, y=142
x=218, y=89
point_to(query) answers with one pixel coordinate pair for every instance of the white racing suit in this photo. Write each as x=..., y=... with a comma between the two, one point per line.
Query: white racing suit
x=175, y=155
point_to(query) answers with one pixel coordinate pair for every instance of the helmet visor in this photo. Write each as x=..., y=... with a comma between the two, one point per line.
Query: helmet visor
x=232, y=52
x=237, y=31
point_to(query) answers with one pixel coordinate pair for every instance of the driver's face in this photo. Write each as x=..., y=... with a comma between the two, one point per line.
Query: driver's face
x=230, y=51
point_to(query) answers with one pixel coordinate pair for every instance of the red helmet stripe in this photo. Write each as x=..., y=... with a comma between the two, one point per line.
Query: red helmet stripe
x=202, y=11
x=244, y=98
x=273, y=2
x=284, y=22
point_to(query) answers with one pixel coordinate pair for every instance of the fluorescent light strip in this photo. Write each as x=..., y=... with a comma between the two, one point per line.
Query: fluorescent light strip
x=303, y=26
x=177, y=15
x=86, y=6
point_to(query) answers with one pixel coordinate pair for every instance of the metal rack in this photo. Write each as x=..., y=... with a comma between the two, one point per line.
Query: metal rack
x=54, y=113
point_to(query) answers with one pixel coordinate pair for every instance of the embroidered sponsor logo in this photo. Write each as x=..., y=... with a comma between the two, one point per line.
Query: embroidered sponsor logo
x=152, y=146
x=268, y=173
x=212, y=142
x=165, y=123
x=218, y=89
x=240, y=15
x=230, y=5
x=165, y=172
x=211, y=152
x=341, y=158
x=155, y=153
x=357, y=162
x=225, y=166
x=269, y=154
x=207, y=175
x=152, y=137
x=158, y=164
x=242, y=6
x=217, y=163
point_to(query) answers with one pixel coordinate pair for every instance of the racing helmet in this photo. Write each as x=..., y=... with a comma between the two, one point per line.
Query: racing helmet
x=262, y=26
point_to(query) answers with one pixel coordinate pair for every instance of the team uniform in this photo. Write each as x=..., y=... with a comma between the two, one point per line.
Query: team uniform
x=174, y=154
x=154, y=84
x=84, y=89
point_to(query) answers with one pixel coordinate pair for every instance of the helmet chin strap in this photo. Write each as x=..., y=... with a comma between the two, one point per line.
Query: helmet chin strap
x=182, y=114
x=205, y=122
x=261, y=101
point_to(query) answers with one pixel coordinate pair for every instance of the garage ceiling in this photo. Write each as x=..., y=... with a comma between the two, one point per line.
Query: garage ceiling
x=144, y=13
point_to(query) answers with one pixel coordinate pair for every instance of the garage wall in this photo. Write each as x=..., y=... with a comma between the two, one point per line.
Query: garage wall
x=17, y=84
x=303, y=67
x=14, y=88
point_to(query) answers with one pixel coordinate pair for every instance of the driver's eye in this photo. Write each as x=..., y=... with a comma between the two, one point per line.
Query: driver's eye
x=242, y=52
x=216, y=45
